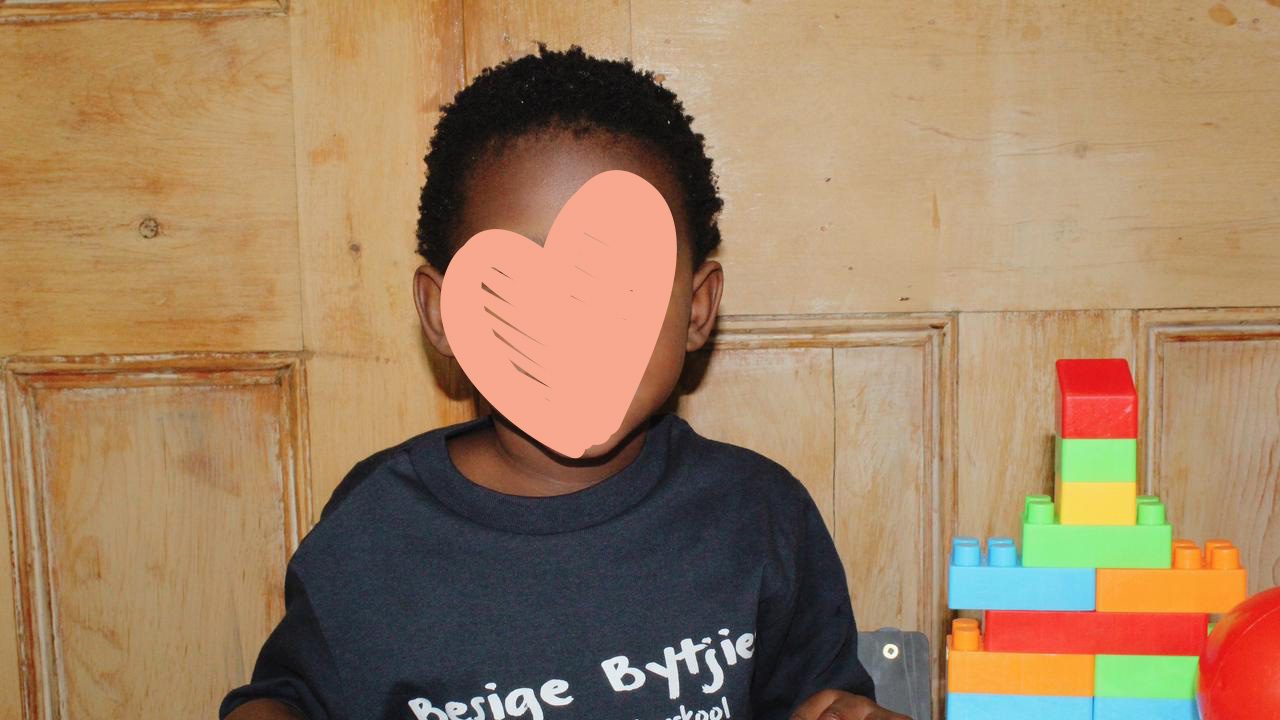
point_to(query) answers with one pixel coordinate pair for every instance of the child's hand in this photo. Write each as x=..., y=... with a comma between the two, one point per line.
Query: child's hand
x=840, y=705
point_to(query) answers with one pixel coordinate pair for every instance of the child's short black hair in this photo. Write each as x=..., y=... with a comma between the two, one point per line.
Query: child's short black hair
x=569, y=89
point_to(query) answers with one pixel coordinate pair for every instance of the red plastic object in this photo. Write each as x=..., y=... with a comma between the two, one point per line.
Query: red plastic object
x=1096, y=399
x=1095, y=633
x=1240, y=668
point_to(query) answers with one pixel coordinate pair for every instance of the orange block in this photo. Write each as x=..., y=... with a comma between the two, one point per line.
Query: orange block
x=1190, y=586
x=970, y=669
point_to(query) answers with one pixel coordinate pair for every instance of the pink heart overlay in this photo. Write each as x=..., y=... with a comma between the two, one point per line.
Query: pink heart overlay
x=558, y=337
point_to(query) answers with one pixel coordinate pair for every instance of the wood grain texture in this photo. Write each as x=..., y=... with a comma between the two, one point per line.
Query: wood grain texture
x=148, y=185
x=11, y=694
x=896, y=479
x=369, y=80
x=1213, y=427
x=36, y=11
x=982, y=156
x=501, y=29
x=867, y=407
x=140, y=487
x=1008, y=389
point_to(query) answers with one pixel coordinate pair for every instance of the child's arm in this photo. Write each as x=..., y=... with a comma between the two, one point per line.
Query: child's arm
x=264, y=710
x=807, y=639
x=838, y=705
x=295, y=675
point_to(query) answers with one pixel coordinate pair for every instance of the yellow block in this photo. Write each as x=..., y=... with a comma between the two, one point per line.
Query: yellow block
x=1094, y=503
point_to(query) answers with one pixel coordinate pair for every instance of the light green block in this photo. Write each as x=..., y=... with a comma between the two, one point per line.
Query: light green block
x=1145, y=676
x=1047, y=543
x=1084, y=460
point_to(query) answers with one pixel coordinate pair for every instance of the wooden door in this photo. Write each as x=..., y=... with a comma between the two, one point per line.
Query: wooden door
x=207, y=245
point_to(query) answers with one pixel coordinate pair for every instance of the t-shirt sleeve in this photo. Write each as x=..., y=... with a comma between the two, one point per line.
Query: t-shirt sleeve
x=295, y=665
x=809, y=641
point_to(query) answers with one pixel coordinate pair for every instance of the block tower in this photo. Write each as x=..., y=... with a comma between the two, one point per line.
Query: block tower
x=1104, y=615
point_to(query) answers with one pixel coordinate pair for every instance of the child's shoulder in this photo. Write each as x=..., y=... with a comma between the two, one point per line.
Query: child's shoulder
x=366, y=471
x=749, y=470
x=377, y=486
x=373, y=501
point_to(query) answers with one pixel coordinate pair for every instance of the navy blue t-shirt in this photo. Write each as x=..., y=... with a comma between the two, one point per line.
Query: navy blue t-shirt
x=698, y=583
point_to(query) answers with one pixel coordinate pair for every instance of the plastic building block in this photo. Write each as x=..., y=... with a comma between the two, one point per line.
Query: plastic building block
x=1096, y=399
x=1048, y=543
x=1146, y=676
x=984, y=706
x=1191, y=585
x=970, y=669
x=999, y=581
x=1090, y=503
x=1090, y=460
x=1239, y=672
x=1108, y=708
x=1095, y=633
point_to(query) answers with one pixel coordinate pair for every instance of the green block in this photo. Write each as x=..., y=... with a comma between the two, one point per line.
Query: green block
x=1047, y=543
x=1082, y=460
x=1145, y=676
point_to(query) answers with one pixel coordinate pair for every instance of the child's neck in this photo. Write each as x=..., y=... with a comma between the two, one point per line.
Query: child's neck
x=501, y=457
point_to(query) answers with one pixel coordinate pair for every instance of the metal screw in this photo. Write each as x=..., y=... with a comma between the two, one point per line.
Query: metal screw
x=890, y=651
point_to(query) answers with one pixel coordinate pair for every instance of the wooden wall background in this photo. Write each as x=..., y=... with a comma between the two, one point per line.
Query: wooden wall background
x=207, y=246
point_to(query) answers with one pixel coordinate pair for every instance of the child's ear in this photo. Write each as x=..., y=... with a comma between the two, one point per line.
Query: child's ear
x=708, y=284
x=427, y=282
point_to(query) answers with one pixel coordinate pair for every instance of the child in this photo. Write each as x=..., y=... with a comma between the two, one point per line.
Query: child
x=471, y=573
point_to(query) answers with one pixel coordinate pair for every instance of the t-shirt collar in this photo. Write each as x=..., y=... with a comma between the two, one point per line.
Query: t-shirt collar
x=542, y=515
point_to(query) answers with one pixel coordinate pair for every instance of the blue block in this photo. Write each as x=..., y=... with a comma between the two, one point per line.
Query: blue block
x=1108, y=708
x=998, y=581
x=981, y=706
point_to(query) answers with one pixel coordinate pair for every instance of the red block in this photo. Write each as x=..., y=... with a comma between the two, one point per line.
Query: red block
x=1096, y=399
x=1095, y=633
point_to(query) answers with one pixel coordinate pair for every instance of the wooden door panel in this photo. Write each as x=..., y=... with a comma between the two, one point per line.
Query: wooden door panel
x=890, y=470
x=148, y=187
x=1213, y=426
x=974, y=155
x=156, y=503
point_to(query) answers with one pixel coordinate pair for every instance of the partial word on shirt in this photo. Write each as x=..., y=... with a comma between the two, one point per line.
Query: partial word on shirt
x=622, y=675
